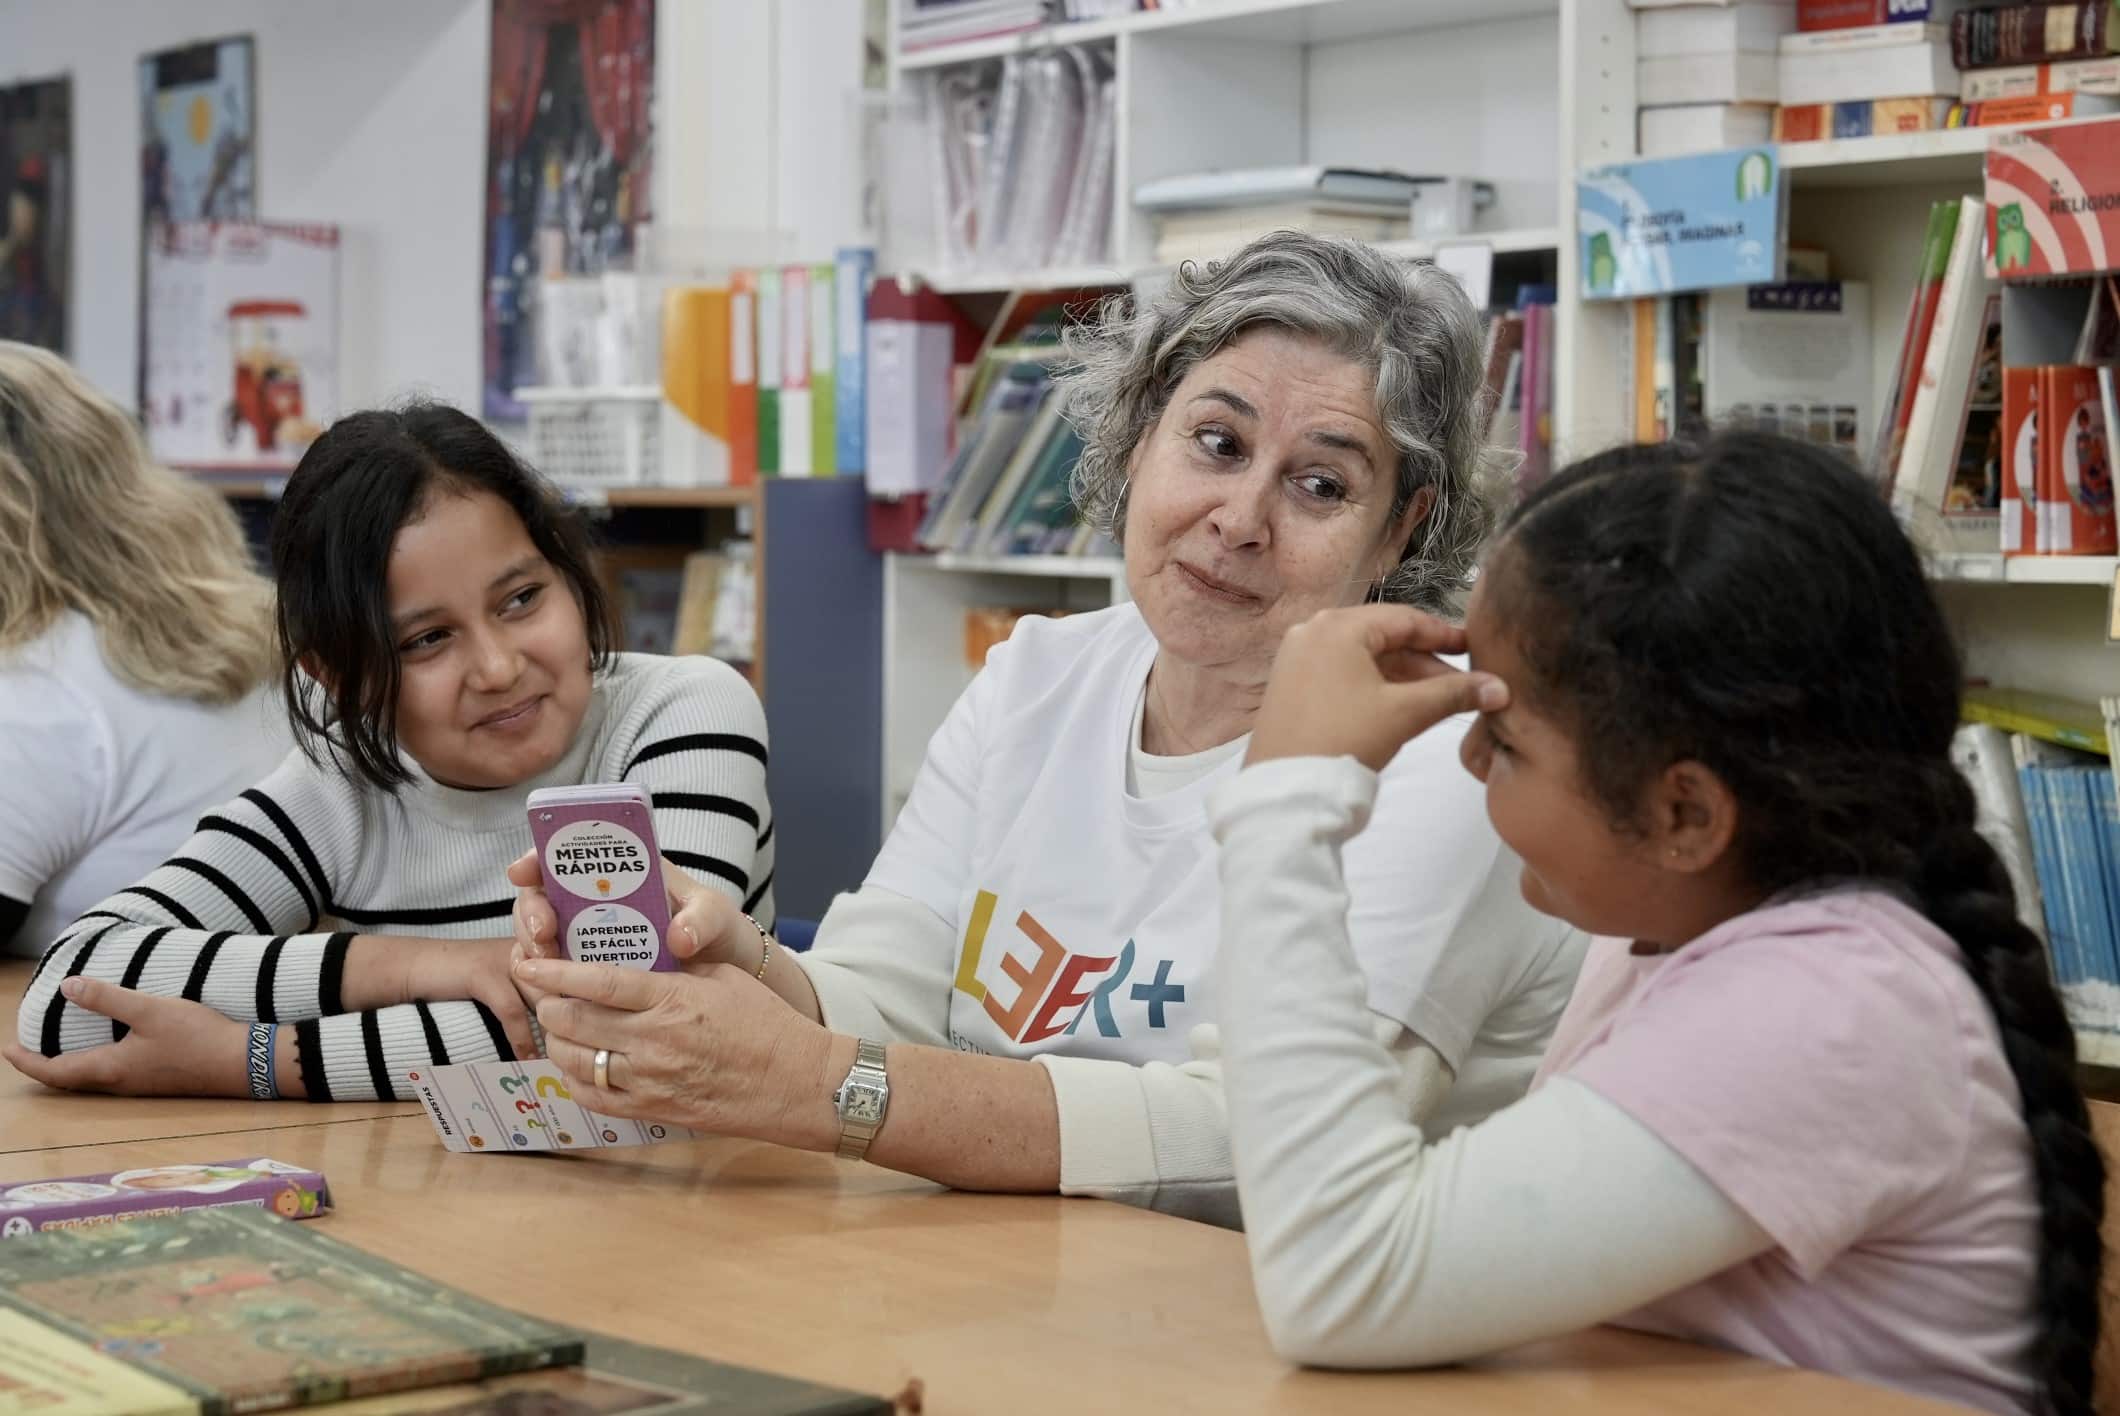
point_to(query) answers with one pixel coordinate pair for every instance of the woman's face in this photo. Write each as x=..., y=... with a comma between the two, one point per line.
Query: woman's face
x=493, y=652
x=1261, y=496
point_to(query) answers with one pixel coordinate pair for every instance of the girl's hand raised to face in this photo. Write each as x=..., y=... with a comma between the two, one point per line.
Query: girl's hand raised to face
x=1360, y=682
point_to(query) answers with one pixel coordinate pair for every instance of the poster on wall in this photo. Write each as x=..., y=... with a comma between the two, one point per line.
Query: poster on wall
x=198, y=134
x=568, y=154
x=242, y=338
x=36, y=203
x=198, y=146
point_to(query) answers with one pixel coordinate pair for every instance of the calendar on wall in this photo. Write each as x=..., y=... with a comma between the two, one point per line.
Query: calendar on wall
x=241, y=363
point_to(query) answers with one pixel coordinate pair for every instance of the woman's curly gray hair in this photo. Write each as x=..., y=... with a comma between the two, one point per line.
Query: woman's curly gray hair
x=1412, y=327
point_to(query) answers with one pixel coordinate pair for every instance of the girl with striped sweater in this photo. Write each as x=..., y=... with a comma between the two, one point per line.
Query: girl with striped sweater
x=445, y=650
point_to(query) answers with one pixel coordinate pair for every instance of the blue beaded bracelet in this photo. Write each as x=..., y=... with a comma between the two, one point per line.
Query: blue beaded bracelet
x=264, y=1076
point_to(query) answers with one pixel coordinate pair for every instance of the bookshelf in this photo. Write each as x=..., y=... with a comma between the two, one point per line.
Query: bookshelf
x=2027, y=570
x=1951, y=154
x=1247, y=21
x=1455, y=87
x=2035, y=624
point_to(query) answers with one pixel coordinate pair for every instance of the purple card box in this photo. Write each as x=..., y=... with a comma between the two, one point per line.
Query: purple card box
x=289, y=1191
x=599, y=860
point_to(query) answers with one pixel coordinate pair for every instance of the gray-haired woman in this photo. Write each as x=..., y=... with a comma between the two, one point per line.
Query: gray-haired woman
x=1292, y=429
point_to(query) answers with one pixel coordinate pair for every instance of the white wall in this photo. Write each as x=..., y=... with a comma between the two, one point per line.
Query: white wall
x=371, y=115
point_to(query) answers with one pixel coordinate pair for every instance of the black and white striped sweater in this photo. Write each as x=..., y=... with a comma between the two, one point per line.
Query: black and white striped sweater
x=254, y=914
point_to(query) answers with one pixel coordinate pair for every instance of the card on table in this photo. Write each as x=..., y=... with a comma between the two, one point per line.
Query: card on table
x=521, y=1106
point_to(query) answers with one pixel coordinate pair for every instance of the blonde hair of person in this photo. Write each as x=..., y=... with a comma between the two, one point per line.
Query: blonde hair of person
x=155, y=560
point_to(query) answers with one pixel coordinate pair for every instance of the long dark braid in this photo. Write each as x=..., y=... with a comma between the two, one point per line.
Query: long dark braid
x=1749, y=604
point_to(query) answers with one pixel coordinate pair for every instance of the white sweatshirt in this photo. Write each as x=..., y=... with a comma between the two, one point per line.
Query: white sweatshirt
x=1370, y=1246
x=1049, y=894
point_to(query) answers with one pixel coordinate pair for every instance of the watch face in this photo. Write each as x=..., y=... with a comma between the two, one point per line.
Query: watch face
x=864, y=1103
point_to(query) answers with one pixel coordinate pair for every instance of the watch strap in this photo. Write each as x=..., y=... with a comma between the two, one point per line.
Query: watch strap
x=868, y=1070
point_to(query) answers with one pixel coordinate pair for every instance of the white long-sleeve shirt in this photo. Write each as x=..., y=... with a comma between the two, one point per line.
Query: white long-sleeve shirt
x=1038, y=899
x=1797, y=1136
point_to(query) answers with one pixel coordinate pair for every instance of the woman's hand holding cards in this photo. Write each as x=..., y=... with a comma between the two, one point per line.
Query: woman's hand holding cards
x=1363, y=681
x=711, y=1048
x=706, y=927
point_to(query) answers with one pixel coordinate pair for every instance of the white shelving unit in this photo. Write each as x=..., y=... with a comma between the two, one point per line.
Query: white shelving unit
x=2098, y=1049
x=1299, y=22
x=924, y=666
x=1449, y=87
x=2027, y=570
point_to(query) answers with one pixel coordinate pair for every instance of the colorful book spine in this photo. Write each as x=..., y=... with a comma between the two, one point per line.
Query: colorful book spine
x=824, y=365
x=2075, y=476
x=743, y=378
x=771, y=338
x=2091, y=76
x=694, y=421
x=2046, y=860
x=1862, y=118
x=2029, y=34
x=2020, y=461
x=1852, y=14
x=1935, y=263
x=2030, y=108
x=1534, y=466
x=2102, y=813
x=850, y=290
x=795, y=426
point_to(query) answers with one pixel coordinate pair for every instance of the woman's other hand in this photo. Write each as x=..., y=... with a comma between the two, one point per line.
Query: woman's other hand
x=1362, y=681
x=706, y=927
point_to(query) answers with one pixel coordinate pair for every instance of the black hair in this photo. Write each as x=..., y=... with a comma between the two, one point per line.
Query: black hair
x=1747, y=601
x=356, y=486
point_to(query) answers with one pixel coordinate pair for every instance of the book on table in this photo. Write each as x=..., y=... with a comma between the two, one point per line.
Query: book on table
x=222, y=1312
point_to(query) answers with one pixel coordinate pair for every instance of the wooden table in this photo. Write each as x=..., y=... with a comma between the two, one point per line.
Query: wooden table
x=34, y=1118
x=847, y=1274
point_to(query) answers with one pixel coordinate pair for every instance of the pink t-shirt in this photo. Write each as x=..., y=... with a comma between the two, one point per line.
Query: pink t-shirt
x=1829, y=1066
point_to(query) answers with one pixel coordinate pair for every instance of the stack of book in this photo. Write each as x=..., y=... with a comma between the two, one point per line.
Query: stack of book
x=2066, y=88
x=2029, y=63
x=1006, y=491
x=1857, y=68
x=1203, y=216
x=1520, y=358
x=1791, y=358
x=251, y=1313
x=923, y=24
x=1938, y=446
x=1704, y=72
x=1980, y=454
x=2042, y=772
x=2057, y=447
x=1020, y=158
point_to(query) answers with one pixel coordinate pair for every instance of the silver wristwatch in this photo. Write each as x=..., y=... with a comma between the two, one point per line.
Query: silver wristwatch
x=862, y=1099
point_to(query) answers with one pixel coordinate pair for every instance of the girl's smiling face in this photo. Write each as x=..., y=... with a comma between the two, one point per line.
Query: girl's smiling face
x=493, y=649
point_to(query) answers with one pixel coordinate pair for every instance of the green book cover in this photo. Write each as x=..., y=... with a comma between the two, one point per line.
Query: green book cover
x=1043, y=520
x=824, y=366
x=248, y=1312
x=770, y=337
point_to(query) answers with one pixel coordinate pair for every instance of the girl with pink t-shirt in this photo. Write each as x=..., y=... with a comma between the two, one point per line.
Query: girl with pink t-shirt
x=1815, y=1097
